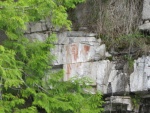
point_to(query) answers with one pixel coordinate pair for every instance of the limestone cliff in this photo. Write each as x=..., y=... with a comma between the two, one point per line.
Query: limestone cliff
x=81, y=53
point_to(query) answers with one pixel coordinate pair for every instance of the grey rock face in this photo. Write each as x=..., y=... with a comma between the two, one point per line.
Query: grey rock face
x=35, y=27
x=145, y=16
x=146, y=10
x=43, y=25
x=140, y=78
x=78, y=48
x=58, y=52
x=82, y=70
x=74, y=53
x=101, y=50
x=79, y=58
x=37, y=36
x=103, y=74
x=80, y=54
x=115, y=81
x=122, y=103
x=145, y=26
x=75, y=37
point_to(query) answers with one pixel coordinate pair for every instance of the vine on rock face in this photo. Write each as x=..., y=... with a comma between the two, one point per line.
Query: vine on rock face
x=27, y=84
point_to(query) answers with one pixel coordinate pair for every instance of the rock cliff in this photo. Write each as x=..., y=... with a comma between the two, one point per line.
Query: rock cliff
x=81, y=54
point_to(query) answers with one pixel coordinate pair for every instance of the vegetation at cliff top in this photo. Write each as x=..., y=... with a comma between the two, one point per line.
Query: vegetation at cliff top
x=27, y=82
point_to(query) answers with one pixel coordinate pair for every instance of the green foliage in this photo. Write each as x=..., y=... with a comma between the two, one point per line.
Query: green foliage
x=136, y=99
x=15, y=15
x=135, y=43
x=130, y=61
x=8, y=68
x=27, y=82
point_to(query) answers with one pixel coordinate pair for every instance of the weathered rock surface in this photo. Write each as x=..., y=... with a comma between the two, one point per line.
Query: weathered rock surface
x=122, y=103
x=77, y=37
x=145, y=26
x=103, y=74
x=140, y=78
x=78, y=48
x=37, y=36
x=94, y=70
x=146, y=10
x=114, y=81
x=80, y=54
x=145, y=16
x=35, y=27
x=85, y=57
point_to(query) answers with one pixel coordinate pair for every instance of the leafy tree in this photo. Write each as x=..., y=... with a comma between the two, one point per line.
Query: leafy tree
x=27, y=82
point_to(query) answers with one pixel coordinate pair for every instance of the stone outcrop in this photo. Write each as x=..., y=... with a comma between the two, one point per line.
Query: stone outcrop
x=146, y=10
x=145, y=26
x=77, y=48
x=140, y=78
x=118, y=103
x=80, y=54
x=145, y=16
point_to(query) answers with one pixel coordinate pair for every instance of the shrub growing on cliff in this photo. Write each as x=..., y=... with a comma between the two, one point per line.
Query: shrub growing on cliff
x=26, y=85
